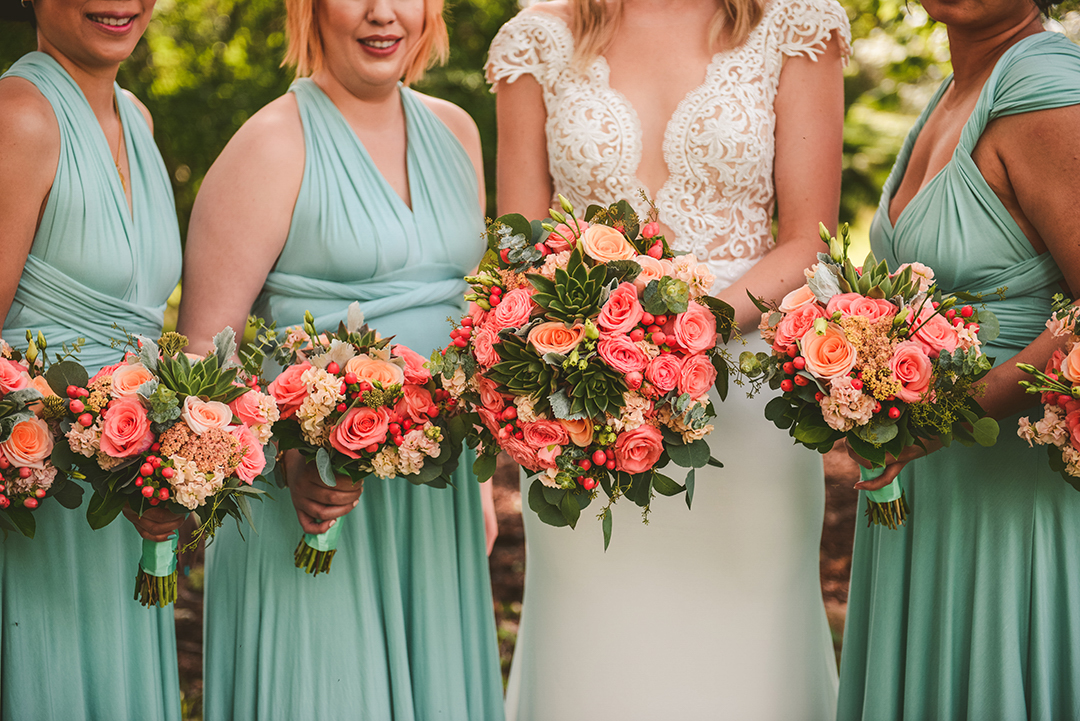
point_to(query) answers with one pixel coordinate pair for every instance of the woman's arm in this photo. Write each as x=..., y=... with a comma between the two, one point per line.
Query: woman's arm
x=522, y=181
x=809, y=144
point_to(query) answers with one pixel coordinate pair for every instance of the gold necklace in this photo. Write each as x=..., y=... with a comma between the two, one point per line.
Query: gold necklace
x=119, y=142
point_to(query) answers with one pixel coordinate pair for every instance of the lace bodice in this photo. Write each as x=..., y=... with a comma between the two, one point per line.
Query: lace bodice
x=718, y=146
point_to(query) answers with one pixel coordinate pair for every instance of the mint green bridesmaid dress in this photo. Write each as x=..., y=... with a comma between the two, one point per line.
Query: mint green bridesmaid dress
x=972, y=611
x=402, y=626
x=73, y=643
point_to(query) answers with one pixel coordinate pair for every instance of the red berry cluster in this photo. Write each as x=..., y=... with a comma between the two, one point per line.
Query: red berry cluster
x=460, y=336
x=77, y=407
x=960, y=319
x=792, y=378
x=600, y=459
x=154, y=476
x=29, y=500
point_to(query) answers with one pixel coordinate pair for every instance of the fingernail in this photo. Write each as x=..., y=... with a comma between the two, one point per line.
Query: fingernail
x=356, y=503
x=332, y=523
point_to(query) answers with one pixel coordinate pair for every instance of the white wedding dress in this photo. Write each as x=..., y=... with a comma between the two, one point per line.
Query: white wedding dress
x=715, y=612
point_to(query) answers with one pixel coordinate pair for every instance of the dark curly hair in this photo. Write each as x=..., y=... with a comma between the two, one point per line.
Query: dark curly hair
x=14, y=10
x=1045, y=5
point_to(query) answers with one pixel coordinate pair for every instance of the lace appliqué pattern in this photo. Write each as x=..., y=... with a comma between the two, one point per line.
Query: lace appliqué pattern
x=718, y=146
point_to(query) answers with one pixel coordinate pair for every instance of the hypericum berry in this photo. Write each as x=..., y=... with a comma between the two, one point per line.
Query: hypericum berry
x=1063, y=399
x=147, y=491
x=856, y=384
x=72, y=391
x=494, y=299
x=801, y=380
x=584, y=464
x=496, y=290
x=589, y=483
x=364, y=386
x=351, y=378
x=519, y=435
x=599, y=457
x=407, y=424
x=660, y=319
x=647, y=319
x=398, y=440
x=154, y=461
x=799, y=362
x=509, y=413
x=967, y=311
x=610, y=465
x=544, y=250
x=894, y=413
x=786, y=385
x=332, y=367
x=155, y=447
x=76, y=406
x=504, y=254
x=432, y=411
x=39, y=493
x=31, y=503
x=138, y=482
x=819, y=396
x=637, y=335
x=466, y=322
x=461, y=342
x=341, y=407
x=25, y=472
x=2, y=488
x=658, y=338
x=950, y=314
x=146, y=469
x=163, y=493
x=154, y=501
x=788, y=368
x=167, y=473
x=877, y=407
x=656, y=250
x=373, y=448
x=83, y=393
x=86, y=420
x=4, y=501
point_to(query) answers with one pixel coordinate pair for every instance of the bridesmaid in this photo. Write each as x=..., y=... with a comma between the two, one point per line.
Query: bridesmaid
x=972, y=611
x=89, y=238
x=349, y=187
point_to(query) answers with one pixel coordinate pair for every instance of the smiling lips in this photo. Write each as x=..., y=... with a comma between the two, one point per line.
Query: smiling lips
x=380, y=45
x=112, y=23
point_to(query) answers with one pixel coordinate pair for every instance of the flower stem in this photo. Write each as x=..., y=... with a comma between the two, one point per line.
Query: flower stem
x=892, y=514
x=157, y=591
x=313, y=561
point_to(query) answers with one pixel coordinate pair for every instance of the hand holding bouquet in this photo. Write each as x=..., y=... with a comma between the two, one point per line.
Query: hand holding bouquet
x=161, y=428
x=587, y=355
x=883, y=360
x=355, y=405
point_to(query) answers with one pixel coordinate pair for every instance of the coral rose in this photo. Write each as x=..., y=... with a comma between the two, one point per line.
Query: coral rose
x=696, y=376
x=13, y=377
x=127, y=378
x=1070, y=364
x=253, y=460
x=29, y=445
x=798, y=298
x=605, y=244
x=622, y=311
x=638, y=450
x=663, y=372
x=483, y=343
x=104, y=372
x=360, y=428
x=856, y=304
x=523, y=454
x=564, y=237
x=912, y=367
x=794, y=326
x=249, y=409
x=695, y=330
x=375, y=371
x=580, y=431
x=201, y=415
x=414, y=403
x=126, y=430
x=554, y=337
x=542, y=433
x=490, y=397
x=651, y=269
x=513, y=310
x=936, y=335
x=829, y=355
x=621, y=353
x=415, y=372
x=289, y=390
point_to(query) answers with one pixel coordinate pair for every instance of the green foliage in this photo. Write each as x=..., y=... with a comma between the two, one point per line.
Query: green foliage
x=575, y=293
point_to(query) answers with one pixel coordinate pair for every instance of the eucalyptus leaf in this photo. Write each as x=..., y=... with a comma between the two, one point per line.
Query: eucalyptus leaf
x=326, y=470
x=66, y=373
x=690, y=480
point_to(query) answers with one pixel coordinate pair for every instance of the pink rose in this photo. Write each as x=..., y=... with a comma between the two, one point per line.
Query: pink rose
x=695, y=330
x=483, y=343
x=201, y=415
x=911, y=366
x=651, y=269
x=513, y=310
x=603, y=243
x=936, y=335
x=126, y=430
x=797, y=298
x=1053, y=365
x=13, y=377
x=360, y=428
x=489, y=419
x=415, y=372
x=554, y=337
x=546, y=456
x=619, y=352
x=29, y=445
x=794, y=326
x=622, y=311
x=477, y=314
x=696, y=376
x=544, y=433
x=490, y=397
x=127, y=378
x=638, y=450
x=829, y=355
x=564, y=236
x=248, y=410
x=106, y=371
x=414, y=403
x=855, y=304
x=522, y=453
x=663, y=372
x=288, y=390
x=253, y=461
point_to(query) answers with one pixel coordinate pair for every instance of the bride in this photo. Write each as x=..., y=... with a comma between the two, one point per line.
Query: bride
x=719, y=110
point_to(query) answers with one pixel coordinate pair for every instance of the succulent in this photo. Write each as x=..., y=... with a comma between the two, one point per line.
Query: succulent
x=521, y=371
x=575, y=293
x=595, y=389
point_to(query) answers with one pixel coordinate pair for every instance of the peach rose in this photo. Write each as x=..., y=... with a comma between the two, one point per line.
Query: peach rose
x=127, y=378
x=483, y=343
x=663, y=372
x=375, y=371
x=797, y=298
x=638, y=450
x=253, y=461
x=604, y=243
x=288, y=390
x=936, y=335
x=695, y=330
x=513, y=310
x=546, y=456
x=696, y=376
x=580, y=431
x=13, y=377
x=248, y=410
x=415, y=372
x=622, y=311
x=856, y=304
x=619, y=352
x=651, y=269
x=554, y=337
x=201, y=415
x=414, y=403
x=30, y=444
x=564, y=237
x=1070, y=364
x=42, y=386
x=490, y=397
x=126, y=430
x=360, y=428
x=829, y=355
x=912, y=367
x=794, y=325
x=540, y=434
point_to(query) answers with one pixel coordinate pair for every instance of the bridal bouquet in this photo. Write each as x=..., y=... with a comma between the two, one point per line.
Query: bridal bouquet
x=357, y=405
x=27, y=405
x=164, y=428
x=587, y=355
x=883, y=360
x=1059, y=386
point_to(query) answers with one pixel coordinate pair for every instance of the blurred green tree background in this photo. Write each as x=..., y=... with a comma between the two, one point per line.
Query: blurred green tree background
x=205, y=66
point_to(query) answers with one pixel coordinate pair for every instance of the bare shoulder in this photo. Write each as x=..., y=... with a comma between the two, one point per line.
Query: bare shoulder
x=559, y=8
x=28, y=124
x=272, y=137
x=142, y=108
x=456, y=119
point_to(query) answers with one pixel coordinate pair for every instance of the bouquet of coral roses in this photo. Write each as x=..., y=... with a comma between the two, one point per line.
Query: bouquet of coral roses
x=1059, y=386
x=355, y=405
x=588, y=355
x=27, y=405
x=163, y=428
x=883, y=360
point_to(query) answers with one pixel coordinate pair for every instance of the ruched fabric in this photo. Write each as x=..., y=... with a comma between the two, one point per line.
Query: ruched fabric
x=402, y=626
x=74, y=645
x=972, y=611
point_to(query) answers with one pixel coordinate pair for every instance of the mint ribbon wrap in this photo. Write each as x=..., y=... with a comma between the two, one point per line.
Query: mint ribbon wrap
x=315, y=551
x=159, y=557
x=885, y=506
x=324, y=541
x=889, y=493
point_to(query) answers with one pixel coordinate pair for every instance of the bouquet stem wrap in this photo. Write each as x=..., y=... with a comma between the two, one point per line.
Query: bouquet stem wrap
x=155, y=584
x=885, y=506
x=316, y=551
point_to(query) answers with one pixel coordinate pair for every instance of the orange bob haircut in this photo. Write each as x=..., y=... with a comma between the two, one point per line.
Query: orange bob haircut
x=305, y=51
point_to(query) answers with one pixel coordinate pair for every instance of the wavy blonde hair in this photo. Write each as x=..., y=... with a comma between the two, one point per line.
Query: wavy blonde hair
x=595, y=22
x=304, y=51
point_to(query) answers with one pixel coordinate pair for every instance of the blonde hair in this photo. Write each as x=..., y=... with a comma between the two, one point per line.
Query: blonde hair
x=304, y=51
x=595, y=23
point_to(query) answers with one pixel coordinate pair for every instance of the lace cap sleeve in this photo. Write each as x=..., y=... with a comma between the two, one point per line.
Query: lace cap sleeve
x=533, y=43
x=803, y=27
